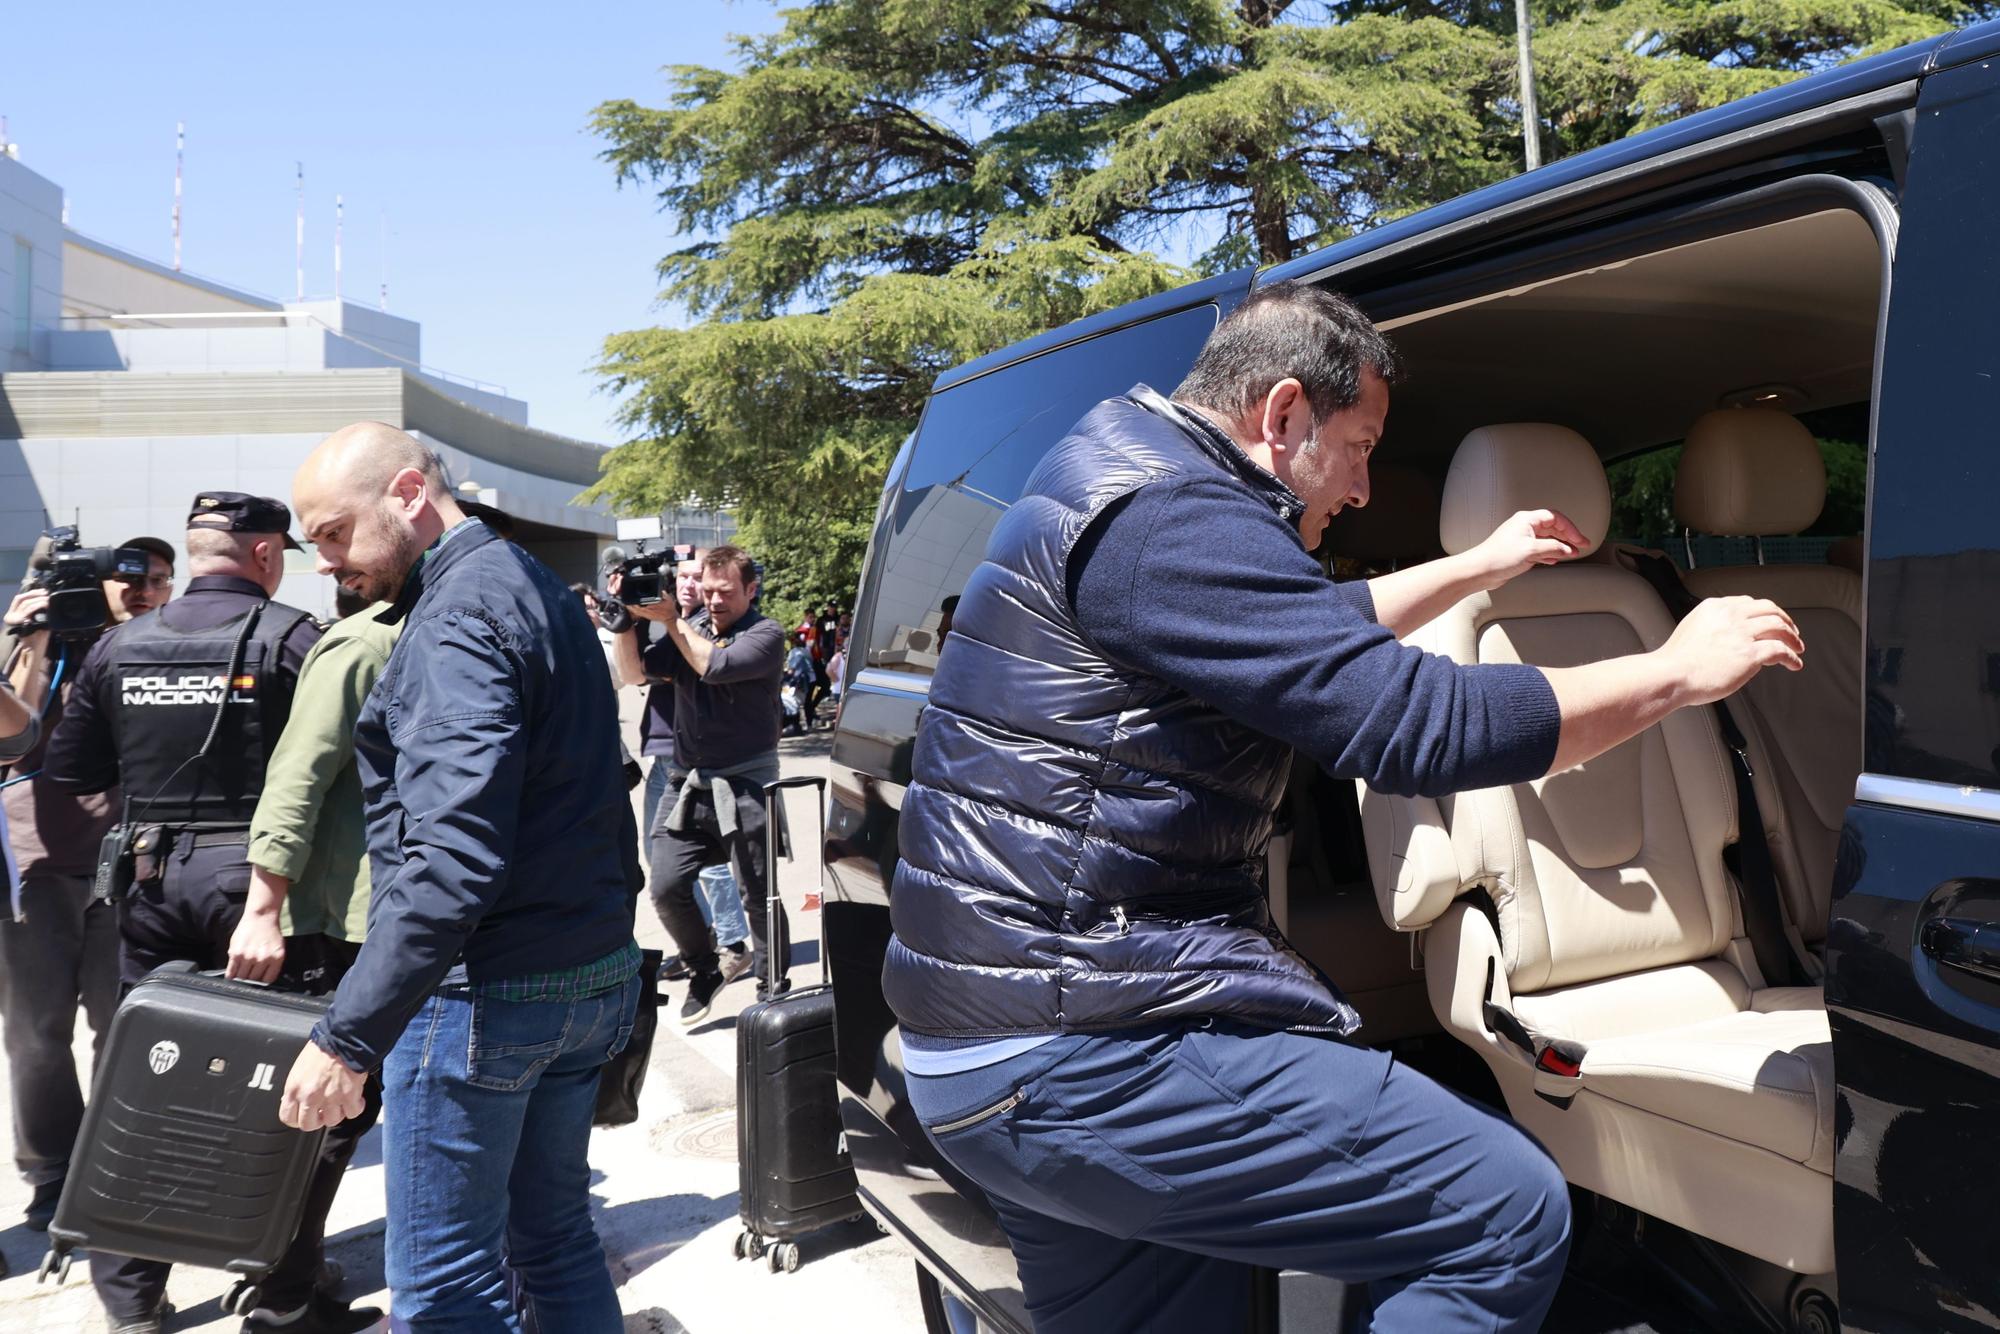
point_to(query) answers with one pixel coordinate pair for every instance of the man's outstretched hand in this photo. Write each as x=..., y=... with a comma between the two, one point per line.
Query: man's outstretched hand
x=1527, y=539
x=1724, y=642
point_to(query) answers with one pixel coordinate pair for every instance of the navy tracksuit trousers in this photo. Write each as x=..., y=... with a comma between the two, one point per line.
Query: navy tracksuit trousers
x=1141, y=1174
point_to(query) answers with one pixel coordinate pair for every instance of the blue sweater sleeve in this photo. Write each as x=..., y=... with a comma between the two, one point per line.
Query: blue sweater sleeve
x=1202, y=586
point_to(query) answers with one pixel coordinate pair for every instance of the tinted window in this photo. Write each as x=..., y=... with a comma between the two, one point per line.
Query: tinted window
x=1934, y=537
x=979, y=442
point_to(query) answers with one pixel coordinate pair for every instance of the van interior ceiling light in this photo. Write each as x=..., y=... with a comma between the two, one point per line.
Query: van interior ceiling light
x=1790, y=398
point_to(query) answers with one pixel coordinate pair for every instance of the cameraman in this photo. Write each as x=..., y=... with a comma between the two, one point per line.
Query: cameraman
x=58, y=945
x=724, y=662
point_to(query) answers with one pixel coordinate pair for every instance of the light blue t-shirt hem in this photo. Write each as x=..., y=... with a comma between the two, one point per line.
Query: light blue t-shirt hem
x=919, y=1059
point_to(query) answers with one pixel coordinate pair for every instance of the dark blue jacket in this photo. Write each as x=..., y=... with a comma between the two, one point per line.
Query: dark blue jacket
x=500, y=835
x=1083, y=839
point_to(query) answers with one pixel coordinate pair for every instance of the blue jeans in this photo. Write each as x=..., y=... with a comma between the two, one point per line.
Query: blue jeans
x=716, y=892
x=1140, y=1174
x=487, y=1106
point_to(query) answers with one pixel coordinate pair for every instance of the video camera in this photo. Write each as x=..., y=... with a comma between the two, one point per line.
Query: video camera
x=74, y=575
x=647, y=578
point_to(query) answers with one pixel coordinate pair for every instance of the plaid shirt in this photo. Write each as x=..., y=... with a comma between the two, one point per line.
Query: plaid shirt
x=568, y=984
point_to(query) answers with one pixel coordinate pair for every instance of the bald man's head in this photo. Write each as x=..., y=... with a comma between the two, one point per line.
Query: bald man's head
x=371, y=498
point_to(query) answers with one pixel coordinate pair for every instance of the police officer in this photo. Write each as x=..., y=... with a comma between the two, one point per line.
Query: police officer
x=182, y=708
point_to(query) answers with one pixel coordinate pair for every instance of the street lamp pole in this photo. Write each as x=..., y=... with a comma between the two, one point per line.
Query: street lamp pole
x=1531, y=122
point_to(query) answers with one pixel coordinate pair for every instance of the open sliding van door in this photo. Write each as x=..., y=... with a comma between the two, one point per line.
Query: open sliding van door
x=1913, y=955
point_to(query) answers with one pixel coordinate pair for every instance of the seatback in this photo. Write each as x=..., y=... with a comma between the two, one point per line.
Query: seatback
x=1757, y=472
x=1607, y=868
x=1397, y=527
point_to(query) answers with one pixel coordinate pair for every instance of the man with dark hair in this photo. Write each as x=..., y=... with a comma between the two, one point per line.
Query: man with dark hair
x=58, y=944
x=725, y=662
x=1100, y=1026
x=716, y=894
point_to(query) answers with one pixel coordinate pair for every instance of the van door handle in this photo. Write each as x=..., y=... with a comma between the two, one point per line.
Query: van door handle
x=1962, y=943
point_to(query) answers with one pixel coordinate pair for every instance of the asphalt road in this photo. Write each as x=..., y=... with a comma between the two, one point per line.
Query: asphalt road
x=664, y=1195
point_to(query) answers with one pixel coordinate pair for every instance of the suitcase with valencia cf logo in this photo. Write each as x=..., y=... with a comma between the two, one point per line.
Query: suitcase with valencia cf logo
x=182, y=1157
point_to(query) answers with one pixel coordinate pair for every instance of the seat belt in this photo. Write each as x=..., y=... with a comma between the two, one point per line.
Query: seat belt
x=1749, y=858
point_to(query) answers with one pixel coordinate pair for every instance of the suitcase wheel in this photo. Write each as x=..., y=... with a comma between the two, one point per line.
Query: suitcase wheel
x=785, y=1257
x=748, y=1244
x=241, y=1299
x=56, y=1263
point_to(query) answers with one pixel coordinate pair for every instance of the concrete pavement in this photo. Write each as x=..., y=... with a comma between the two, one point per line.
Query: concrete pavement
x=664, y=1193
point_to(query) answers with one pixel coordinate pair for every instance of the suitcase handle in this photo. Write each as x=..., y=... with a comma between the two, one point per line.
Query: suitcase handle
x=773, y=809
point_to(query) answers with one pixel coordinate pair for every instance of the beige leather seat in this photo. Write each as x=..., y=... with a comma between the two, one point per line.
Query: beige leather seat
x=1594, y=907
x=1757, y=472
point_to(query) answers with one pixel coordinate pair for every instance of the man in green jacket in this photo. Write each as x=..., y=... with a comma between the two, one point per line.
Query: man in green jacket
x=308, y=904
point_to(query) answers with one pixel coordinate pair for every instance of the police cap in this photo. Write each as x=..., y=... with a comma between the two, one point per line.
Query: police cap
x=241, y=513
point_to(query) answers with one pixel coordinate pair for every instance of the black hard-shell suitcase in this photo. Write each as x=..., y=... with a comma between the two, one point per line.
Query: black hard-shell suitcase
x=794, y=1175
x=181, y=1156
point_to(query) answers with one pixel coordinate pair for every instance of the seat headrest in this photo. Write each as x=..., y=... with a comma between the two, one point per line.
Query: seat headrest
x=1501, y=470
x=1398, y=524
x=1749, y=472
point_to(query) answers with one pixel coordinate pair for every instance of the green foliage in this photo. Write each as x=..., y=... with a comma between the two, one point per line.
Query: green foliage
x=882, y=189
x=1642, y=494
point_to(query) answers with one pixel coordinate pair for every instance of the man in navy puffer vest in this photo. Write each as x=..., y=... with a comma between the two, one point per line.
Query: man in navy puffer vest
x=1100, y=1025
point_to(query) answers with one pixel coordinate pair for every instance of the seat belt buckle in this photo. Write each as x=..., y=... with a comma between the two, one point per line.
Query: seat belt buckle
x=1556, y=1063
x=1558, y=1071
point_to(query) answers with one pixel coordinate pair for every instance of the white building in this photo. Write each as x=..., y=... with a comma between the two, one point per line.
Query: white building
x=126, y=387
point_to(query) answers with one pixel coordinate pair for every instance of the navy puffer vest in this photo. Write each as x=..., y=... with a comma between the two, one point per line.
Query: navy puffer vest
x=1083, y=845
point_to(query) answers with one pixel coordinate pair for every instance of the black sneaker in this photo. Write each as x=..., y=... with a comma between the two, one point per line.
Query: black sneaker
x=320, y=1315
x=42, y=1208
x=140, y=1324
x=672, y=969
x=700, y=998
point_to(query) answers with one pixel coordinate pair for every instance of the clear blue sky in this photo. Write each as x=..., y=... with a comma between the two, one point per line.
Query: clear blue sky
x=467, y=124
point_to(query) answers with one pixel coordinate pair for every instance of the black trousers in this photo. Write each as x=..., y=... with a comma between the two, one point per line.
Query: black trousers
x=188, y=911
x=678, y=858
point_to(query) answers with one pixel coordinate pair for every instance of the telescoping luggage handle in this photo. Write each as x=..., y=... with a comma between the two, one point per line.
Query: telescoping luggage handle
x=773, y=810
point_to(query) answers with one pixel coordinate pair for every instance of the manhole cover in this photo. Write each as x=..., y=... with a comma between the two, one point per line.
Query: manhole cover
x=711, y=1136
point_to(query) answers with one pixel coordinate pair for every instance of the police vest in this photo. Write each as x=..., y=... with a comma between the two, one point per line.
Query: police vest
x=167, y=688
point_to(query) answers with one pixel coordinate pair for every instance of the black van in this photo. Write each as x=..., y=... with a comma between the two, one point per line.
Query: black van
x=1746, y=1155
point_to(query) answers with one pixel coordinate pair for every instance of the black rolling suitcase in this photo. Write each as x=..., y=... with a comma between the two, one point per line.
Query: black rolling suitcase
x=181, y=1156
x=794, y=1175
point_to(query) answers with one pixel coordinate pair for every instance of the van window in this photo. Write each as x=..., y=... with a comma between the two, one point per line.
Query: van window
x=1934, y=539
x=979, y=442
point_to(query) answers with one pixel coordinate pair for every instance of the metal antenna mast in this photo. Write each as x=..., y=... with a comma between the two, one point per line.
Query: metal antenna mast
x=180, y=141
x=299, y=253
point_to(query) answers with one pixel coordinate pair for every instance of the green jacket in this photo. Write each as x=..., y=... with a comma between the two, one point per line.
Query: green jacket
x=309, y=826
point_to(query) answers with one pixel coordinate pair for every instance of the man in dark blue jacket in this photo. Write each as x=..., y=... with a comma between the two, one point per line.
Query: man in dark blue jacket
x=1100, y=1026
x=499, y=972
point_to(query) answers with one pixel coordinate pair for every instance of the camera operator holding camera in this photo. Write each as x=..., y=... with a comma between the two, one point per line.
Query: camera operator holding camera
x=58, y=945
x=724, y=662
